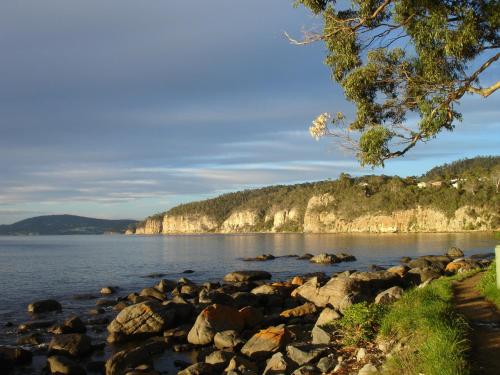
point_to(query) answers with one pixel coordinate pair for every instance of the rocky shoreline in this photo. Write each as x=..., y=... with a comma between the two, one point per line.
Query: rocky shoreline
x=244, y=324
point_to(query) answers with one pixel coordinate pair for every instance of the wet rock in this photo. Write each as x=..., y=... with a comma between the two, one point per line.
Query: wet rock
x=72, y=344
x=374, y=268
x=405, y=260
x=343, y=257
x=368, y=369
x=278, y=364
x=153, y=293
x=16, y=355
x=227, y=339
x=120, y=306
x=35, y=324
x=154, y=275
x=200, y=368
x=84, y=297
x=187, y=271
x=324, y=259
x=247, y=275
x=306, y=256
x=107, y=290
x=73, y=324
x=240, y=365
x=455, y=252
x=97, y=311
x=266, y=342
x=389, y=296
x=213, y=319
x=165, y=285
x=31, y=339
x=64, y=366
x=142, y=319
x=307, y=308
x=260, y=258
x=44, y=306
x=327, y=364
x=304, y=353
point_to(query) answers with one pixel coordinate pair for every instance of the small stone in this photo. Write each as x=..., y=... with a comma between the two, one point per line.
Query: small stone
x=368, y=369
x=73, y=344
x=107, y=290
x=227, y=339
x=200, y=368
x=247, y=275
x=361, y=354
x=455, y=252
x=327, y=364
x=277, y=364
x=304, y=354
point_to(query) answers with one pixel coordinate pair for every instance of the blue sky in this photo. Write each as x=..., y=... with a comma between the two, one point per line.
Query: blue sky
x=120, y=108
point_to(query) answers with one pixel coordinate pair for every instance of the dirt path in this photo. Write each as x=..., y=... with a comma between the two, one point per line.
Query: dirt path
x=484, y=319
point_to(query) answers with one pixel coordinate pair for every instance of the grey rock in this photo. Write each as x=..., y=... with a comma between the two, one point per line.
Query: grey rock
x=153, y=293
x=390, y=295
x=304, y=354
x=324, y=259
x=227, y=339
x=240, y=365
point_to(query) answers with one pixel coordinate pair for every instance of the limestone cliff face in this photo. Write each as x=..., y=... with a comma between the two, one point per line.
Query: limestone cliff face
x=319, y=219
x=240, y=221
x=188, y=224
x=150, y=226
x=283, y=217
x=321, y=216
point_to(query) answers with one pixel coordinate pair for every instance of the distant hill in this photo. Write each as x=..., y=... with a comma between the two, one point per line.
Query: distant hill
x=65, y=224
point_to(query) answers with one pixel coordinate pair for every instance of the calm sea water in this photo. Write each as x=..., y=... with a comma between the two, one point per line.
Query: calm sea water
x=34, y=268
x=60, y=266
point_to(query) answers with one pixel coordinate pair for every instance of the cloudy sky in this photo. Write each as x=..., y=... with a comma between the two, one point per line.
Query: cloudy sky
x=122, y=108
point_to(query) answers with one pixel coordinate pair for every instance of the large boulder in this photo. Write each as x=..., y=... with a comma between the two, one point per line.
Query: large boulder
x=73, y=344
x=227, y=339
x=266, y=342
x=44, y=306
x=153, y=293
x=455, y=252
x=71, y=325
x=64, y=366
x=213, y=319
x=247, y=275
x=339, y=292
x=142, y=319
x=129, y=358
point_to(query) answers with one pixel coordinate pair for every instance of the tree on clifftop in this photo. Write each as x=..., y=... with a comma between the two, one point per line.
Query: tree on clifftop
x=403, y=58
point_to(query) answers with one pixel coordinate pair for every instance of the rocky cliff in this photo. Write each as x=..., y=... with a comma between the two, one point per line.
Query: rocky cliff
x=319, y=217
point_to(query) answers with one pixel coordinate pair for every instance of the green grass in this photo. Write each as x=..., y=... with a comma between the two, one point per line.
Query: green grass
x=436, y=336
x=488, y=286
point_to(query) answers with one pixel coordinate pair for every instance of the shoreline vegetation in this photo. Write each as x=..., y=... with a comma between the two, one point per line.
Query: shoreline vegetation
x=461, y=196
x=397, y=320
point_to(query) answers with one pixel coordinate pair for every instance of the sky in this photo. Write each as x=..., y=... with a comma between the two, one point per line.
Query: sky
x=121, y=108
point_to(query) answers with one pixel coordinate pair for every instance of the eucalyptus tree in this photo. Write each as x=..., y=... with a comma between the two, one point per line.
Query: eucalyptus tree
x=405, y=65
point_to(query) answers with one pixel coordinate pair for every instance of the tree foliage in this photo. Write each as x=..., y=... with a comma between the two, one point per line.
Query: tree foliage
x=402, y=59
